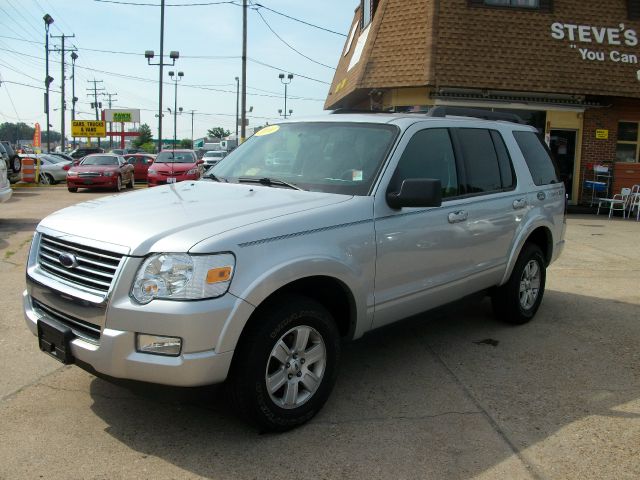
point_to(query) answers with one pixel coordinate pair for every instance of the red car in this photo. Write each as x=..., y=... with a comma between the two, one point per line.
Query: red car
x=141, y=163
x=172, y=166
x=101, y=170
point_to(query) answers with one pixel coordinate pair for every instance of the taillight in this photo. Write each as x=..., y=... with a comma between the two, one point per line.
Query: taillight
x=66, y=167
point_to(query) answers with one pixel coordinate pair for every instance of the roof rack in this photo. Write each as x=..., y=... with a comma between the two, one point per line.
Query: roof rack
x=340, y=111
x=442, y=111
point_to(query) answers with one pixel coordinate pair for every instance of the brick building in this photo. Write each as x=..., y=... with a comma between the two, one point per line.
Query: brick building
x=569, y=67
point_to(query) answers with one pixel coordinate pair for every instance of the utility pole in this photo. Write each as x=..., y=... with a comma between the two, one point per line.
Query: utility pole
x=74, y=99
x=95, y=104
x=237, y=106
x=192, y=112
x=243, y=127
x=62, y=99
x=110, y=124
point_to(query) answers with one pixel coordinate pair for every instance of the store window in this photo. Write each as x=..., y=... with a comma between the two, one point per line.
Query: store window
x=633, y=9
x=628, y=142
x=543, y=5
x=514, y=3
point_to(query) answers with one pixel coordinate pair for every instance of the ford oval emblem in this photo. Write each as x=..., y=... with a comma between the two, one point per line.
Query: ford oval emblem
x=68, y=260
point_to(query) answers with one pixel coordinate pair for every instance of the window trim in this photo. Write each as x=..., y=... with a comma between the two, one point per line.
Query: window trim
x=629, y=142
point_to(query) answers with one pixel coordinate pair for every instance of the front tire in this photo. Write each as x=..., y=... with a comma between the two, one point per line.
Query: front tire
x=118, y=186
x=16, y=164
x=46, y=179
x=286, y=364
x=130, y=184
x=517, y=301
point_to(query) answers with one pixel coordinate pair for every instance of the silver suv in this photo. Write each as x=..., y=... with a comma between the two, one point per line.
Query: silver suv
x=256, y=274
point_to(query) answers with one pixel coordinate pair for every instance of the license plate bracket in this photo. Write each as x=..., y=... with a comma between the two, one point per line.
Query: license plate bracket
x=55, y=340
x=171, y=180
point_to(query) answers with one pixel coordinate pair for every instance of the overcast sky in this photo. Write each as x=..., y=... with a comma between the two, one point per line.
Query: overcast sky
x=213, y=31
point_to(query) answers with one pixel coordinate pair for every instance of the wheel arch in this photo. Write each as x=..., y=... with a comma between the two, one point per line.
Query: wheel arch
x=541, y=236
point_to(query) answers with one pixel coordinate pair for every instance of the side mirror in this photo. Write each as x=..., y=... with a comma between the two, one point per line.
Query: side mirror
x=417, y=192
x=200, y=162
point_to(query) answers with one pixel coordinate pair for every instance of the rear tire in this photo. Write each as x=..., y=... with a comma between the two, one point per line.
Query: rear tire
x=46, y=179
x=517, y=301
x=118, y=186
x=286, y=364
x=16, y=164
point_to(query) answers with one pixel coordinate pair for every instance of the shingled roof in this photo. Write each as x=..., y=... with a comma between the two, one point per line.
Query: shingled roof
x=397, y=51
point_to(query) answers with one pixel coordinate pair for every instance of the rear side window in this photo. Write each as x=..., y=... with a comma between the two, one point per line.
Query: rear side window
x=537, y=157
x=429, y=154
x=482, y=169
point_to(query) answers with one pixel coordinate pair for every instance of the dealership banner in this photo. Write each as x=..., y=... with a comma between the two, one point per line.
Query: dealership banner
x=36, y=136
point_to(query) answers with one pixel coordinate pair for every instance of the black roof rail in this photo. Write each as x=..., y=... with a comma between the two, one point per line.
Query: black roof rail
x=442, y=111
x=340, y=111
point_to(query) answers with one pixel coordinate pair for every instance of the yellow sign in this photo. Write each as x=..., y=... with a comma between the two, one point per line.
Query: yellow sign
x=268, y=130
x=602, y=134
x=88, y=128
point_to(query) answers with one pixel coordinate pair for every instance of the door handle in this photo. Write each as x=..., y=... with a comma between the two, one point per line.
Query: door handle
x=457, y=217
x=518, y=204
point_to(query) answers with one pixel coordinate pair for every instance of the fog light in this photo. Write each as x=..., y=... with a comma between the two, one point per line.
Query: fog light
x=154, y=344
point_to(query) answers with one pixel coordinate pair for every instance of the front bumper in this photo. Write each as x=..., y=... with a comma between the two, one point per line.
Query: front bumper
x=5, y=194
x=92, y=182
x=200, y=325
x=154, y=180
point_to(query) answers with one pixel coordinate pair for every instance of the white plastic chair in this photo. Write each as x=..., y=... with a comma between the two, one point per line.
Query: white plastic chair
x=634, y=202
x=619, y=202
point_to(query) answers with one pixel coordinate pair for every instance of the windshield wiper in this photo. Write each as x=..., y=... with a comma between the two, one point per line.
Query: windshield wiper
x=212, y=176
x=269, y=182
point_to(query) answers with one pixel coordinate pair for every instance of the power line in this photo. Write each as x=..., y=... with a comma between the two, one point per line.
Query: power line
x=289, y=45
x=27, y=85
x=26, y=20
x=280, y=69
x=19, y=72
x=259, y=5
x=11, y=100
x=202, y=4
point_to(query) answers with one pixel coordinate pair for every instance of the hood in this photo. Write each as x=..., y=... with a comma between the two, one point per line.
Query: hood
x=173, y=218
x=94, y=168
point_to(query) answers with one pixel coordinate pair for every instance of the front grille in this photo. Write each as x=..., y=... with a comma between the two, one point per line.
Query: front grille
x=95, y=268
x=80, y=328
x=88, y=174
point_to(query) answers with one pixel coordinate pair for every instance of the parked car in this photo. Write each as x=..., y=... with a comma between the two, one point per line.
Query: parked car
x=52, y=169
x=212, y=157
x=5, y=186
x=15, y=164
x=172, y=166
x=257, y=275
x=141, y=163
x=79, y=153
x=101, y=170
x=63, y=156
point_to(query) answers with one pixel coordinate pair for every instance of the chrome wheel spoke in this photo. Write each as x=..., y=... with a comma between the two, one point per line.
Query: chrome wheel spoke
x=281, y=352
x=290, y=394
x=310, y=381
x=276, y=380
x=314, y=354
x=302, y=338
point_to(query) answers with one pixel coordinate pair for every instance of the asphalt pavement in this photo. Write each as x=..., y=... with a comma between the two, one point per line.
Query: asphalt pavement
x=452, y=394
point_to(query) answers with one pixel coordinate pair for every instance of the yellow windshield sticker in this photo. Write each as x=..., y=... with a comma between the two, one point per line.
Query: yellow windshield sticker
x=268, y=130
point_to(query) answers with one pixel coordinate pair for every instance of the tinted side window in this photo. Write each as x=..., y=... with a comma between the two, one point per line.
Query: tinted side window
x=507, y=173
x=480, y=160
x=537, y=157
x=429, y=154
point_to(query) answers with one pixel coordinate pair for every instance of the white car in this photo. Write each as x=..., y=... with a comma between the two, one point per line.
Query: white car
x=5, y=187
x=212, y=157
x=53, y=169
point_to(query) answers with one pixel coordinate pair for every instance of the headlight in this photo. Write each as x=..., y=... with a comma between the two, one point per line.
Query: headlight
x=72, y=174
x=193, y=171
x=179, y=276
x=151, y=172
x=108, y=174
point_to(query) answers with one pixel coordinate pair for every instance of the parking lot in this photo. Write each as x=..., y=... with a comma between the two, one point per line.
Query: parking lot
x=452, y=394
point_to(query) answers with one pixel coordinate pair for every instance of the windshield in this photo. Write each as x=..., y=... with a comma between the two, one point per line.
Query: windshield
x=336, y=157
x=175, y=157
x=100, y=160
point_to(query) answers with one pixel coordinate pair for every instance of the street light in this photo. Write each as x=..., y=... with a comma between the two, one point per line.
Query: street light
x=285, y=113
x=175, y=79
x=48, y=20
x=173, y=55
x=286, y=84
